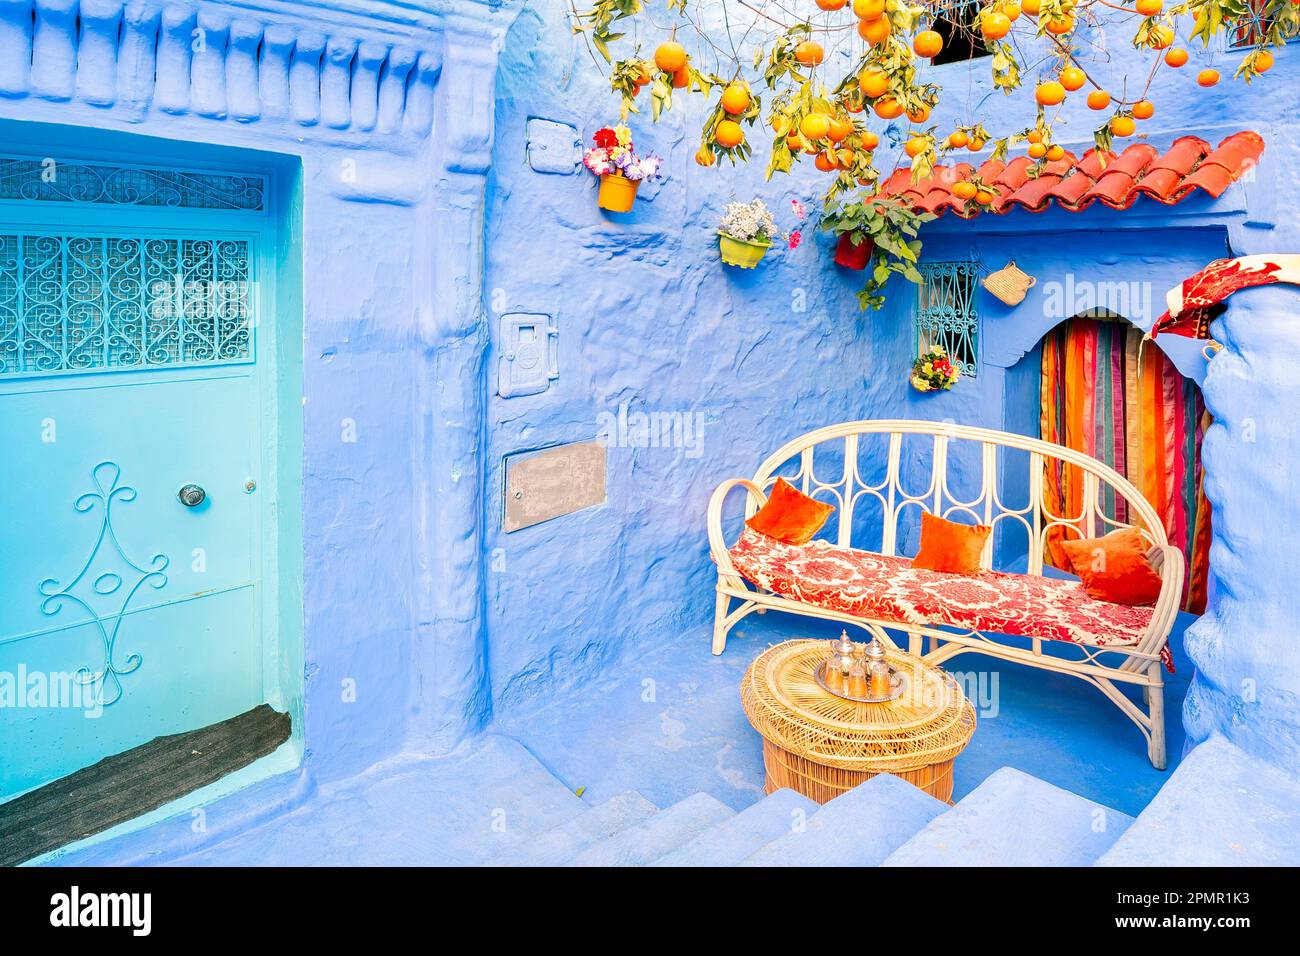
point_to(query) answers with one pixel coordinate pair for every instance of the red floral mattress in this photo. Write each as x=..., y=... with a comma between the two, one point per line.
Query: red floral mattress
x=865, y=584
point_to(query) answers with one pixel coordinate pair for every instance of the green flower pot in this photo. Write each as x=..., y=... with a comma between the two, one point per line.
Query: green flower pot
x=739, y=252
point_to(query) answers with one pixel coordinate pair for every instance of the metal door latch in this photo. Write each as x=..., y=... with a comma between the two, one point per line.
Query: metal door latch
x=191, y=496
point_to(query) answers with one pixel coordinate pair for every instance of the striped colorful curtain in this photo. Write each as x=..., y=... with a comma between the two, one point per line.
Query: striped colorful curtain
x=1141, y=417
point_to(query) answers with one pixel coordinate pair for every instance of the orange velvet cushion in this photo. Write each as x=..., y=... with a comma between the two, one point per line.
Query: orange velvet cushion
x=1115, y=568
x=790, y=515
x=950, y=546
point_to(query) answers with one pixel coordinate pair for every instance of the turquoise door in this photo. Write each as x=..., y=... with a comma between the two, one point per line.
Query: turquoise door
x=134, y=508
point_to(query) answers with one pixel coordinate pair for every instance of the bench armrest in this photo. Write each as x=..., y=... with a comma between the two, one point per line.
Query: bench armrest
x=717, y=543
x=1169, y=564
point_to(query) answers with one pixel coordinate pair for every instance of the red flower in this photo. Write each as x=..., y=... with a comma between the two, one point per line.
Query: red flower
x=794, y=239
x=605, y=138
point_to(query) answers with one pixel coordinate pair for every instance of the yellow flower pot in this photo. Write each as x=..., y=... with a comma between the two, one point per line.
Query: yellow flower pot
x=617, y=192
x=740, y=252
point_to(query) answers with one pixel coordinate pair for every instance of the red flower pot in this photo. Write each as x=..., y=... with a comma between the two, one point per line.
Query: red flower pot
x=851, y=256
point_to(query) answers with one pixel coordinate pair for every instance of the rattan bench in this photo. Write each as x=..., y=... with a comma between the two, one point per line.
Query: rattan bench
x=1137, y=661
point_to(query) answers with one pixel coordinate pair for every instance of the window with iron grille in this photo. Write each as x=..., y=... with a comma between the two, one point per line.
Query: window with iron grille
x=946, y=314
x=1251, y=29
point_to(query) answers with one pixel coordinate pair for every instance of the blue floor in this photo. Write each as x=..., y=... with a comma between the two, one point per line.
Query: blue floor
x=669, y=724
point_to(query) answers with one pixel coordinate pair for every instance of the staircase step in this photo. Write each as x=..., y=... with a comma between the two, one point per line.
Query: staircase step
x=586, y=829
x=662, y=833
x=1220, y=807
x=858, y=828
x=732, y=840
x=1015, y=819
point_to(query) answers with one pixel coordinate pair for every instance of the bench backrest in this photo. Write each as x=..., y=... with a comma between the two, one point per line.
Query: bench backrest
x=874, y=472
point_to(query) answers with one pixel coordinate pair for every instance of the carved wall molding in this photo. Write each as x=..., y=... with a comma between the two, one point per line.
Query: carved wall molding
x=227, y=61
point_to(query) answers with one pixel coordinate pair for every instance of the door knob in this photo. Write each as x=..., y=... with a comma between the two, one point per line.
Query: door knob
x=191, y=496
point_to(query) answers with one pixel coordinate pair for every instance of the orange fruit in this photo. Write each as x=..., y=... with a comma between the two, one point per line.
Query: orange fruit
x=1175, y=57
x=1037, y=150
x=809, y=53
x=1055, y=152
x=919, y=114
x=888, y=108
x=793, y=142
x=869, y=9
x=1031, y=7
x=729, y=133
x=1122, y=126
x=995, y=25
x=873, y=83
x=1098, y=100
x=1049, y=93
x=975, y=145
x=964, y=190
x=874, y=31
x=1012, y=10
x=915, y=146
x=983, y=197
x=682, y=77
x=825, y=161
x=704, y=156
x=1207, y=77
x=839, y=129
x=1143, y=109
x=928, y=43
x=1263, y=61
x=1072, y=78
x=1149, y=8
x=831, y=4
x=1160, y=37
x=845, y=158
x=1061, y=25
x=1034, y=136
x=735, y=99
x=670, y=57
x=958, y=139
x=869, y=140
x=815, y=126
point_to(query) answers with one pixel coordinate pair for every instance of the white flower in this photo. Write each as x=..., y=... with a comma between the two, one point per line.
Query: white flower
x=749, y=222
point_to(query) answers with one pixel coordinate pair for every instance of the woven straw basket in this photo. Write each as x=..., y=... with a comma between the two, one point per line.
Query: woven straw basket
x=1009, y=283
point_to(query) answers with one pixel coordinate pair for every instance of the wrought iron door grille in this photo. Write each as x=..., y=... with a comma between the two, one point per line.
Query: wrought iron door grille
x=1251, y=29
x=946, y=315
x=103, y=303
x=54, y=180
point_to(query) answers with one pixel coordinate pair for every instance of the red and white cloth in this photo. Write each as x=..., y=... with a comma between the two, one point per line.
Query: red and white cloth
x=1193, y=304
x=869, y=585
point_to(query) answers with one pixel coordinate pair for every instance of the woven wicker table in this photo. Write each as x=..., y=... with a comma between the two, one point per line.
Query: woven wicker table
x=822, y=745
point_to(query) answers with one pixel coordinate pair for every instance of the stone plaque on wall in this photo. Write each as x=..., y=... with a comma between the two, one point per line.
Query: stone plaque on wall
x=556, y=481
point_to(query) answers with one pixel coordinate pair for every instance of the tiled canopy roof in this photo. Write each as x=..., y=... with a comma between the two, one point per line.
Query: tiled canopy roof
x=1074, y=184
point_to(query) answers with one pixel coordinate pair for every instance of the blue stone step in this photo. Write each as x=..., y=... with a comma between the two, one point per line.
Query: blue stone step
x=1014, y=819
x=644, y=842
x=858, y=828
x=731, y=841
x=1221, y=807
x=586, y=829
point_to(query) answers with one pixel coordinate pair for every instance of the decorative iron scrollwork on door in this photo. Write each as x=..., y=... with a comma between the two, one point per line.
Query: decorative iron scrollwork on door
x=91, y=589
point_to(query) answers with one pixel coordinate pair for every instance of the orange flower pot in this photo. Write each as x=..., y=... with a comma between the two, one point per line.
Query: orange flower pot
x=617, y=192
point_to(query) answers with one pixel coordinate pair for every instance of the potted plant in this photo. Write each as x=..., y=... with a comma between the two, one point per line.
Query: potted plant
x=934, y=371
x=745, y=233
x=620, y=169
x=879, y=231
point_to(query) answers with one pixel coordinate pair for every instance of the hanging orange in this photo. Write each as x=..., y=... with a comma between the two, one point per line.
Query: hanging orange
x=958, y=139
x=915, y=146
x=1037, y=150
x=874, y=31
x=1098, y=100
x=1160, y=37
x=1207, y=77
x=815, y=126
x=1055, y=152
x=1034, y=136
x=1061, y=25
x=793, y=142
x=869, y=140
x=869, y=9
x=831, y=4
x=1072, y=78
x=809, y=53
x=1012, y=10
x=1263, y=61
x=682, y=77
x=919, y=114
x=1050, y=93
x=995, y=25
x=1149, y=8
x=1144, y=109
x=873, y=83
x=1122, y=126
x=964, y=190
x=975, y=145
x=735, y=99
x=825, y=161
x=729, y=134
x=984, y=197
x=928, y=43
x=1176, y=57
x=1031, y=7
x=670, y=57
x=888, y=108
x=838, y=130
x=704, y=156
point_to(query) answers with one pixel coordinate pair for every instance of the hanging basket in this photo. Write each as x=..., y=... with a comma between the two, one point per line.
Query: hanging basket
x=853, y=257
x=617, y=192
x=740, y=252
x=1009, y=284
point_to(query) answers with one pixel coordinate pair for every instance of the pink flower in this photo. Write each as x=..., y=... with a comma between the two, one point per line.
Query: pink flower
x=794, y=239
x=799, y=210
